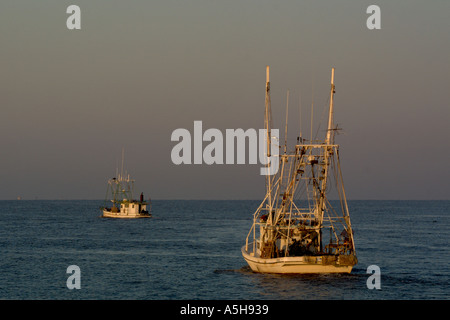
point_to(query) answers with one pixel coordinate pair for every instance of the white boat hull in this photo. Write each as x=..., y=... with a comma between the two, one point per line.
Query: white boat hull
x=121, y=215
x=294, y=265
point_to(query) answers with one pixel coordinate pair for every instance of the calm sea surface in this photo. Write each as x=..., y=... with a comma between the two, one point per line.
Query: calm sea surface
x=191, y=250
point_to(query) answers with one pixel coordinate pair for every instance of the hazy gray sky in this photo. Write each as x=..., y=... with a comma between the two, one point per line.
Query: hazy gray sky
x=137, y=70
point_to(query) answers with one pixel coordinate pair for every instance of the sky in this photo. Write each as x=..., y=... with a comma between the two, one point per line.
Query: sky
x=71, y=100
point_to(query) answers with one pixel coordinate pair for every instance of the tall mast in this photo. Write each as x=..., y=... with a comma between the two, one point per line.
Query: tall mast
x=267, y=115
x=330, y=116
x=327, y=149
x=267, y=123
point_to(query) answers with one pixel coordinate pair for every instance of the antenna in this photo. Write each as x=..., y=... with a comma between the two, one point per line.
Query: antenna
x=330, y=116
x=122, y=159
x=300, y=113
x=121, y=171
x=312, y=110
x=286, y=130
x=117, y=169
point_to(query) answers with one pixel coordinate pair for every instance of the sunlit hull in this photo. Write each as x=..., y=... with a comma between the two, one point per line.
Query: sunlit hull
x=297, y=265
x=121, y=215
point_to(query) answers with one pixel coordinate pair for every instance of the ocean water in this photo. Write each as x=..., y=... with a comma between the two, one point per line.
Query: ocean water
x=190, y=250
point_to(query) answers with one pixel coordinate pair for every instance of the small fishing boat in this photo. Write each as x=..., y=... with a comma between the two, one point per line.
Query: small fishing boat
x=120, y=190
x=296, y=229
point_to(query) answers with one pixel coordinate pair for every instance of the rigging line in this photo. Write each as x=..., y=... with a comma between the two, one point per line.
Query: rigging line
x=341, y=179
x=322, y=117
x=295, y=174
x=279, y=184
x=290, y=187
x=300, y=189
x=336, y=174
x=331, y=223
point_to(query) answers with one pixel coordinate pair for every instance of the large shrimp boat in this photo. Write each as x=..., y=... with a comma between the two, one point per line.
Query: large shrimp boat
x=123, y=205
x=296, y=229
